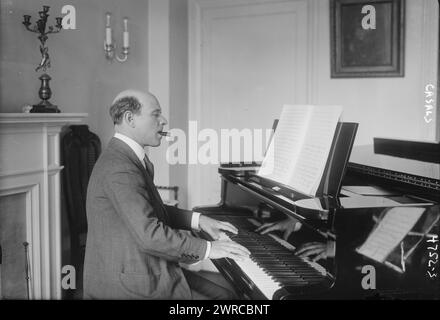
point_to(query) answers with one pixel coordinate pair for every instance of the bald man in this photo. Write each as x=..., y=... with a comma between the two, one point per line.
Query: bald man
x=135, y=242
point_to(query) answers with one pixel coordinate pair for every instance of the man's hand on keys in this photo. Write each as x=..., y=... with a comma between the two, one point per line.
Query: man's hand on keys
x=225, y=248
x=287, y=226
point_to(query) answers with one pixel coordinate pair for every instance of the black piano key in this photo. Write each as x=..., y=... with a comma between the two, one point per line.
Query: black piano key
x=278, y=262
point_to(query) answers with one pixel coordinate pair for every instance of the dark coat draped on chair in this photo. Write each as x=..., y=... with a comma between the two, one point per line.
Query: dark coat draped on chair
x=80, y=151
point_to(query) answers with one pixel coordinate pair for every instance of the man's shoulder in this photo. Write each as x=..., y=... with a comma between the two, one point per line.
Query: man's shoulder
x=112, y=158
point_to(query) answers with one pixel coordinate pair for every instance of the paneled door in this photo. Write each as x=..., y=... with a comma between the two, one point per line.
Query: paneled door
x=247, y=59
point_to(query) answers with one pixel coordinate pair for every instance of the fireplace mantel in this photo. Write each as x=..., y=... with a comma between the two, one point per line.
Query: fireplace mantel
x=42, y=118
x=30, y=165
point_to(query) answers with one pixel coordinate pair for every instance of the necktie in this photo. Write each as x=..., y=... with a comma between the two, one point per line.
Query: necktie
x=149, y=166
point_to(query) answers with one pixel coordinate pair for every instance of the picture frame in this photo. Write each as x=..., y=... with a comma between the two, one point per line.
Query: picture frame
x=357, y=49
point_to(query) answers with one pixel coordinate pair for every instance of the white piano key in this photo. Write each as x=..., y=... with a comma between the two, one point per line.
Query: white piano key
x=290, y=247
x=262, y=281
x=256, y=274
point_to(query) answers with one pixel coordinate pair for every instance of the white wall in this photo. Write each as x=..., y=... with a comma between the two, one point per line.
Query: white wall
x=386, y=107
x=82, y=79
x=168, y=65
x=383, y=107
x=178, y=116
x=158, y=76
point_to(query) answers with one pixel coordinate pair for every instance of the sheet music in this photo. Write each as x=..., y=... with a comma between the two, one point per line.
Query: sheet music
x=284, y=148
x=314, y=154
x=300, y=148
x=391, y=230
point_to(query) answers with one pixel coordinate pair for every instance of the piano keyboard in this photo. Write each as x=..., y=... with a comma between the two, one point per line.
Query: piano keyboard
x=267, y=285
x=272, y=266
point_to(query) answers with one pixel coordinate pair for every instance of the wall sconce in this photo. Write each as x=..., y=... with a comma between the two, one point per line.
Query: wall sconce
x=110, y=48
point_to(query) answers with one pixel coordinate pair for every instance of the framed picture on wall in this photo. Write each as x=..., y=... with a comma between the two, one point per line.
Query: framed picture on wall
x=367, y=38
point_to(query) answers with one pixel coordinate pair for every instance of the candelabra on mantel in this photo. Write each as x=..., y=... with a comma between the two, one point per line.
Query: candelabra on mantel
x=45, y=106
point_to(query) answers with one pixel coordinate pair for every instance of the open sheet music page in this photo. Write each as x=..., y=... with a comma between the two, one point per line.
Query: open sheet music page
x=391, y=230
x=286, y=143
x=310, y=166
x=301, y=145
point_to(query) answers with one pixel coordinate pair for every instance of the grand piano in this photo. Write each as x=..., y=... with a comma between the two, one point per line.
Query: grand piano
x=376, y=238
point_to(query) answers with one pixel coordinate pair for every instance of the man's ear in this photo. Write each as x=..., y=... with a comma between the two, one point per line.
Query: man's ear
x=128, y=118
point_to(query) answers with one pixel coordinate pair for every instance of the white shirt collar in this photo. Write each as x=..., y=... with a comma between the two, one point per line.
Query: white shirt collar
x=136, y=147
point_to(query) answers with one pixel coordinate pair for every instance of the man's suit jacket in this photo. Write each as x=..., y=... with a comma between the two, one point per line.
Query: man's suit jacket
x=134, y=242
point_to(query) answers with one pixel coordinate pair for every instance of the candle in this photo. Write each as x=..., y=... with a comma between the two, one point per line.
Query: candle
x=108, y=35
x=108, y=20
x=126, y=37
x=108, y=30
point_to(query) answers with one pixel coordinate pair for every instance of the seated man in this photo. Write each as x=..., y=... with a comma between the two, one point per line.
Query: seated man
x=134, y=242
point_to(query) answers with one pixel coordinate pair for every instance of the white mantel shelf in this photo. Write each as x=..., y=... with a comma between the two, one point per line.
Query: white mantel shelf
x=58, y=118
x=30, y=164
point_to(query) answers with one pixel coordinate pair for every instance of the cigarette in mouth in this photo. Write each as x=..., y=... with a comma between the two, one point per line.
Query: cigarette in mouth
x=165, y=133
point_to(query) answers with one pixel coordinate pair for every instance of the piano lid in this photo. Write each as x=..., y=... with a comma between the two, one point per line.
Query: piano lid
x=364, y=155
x=324, y=204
